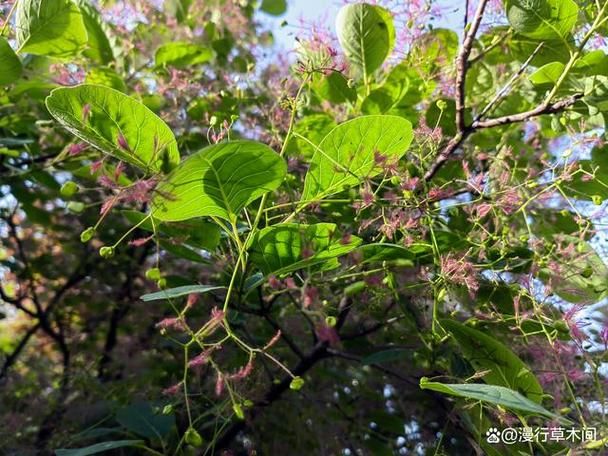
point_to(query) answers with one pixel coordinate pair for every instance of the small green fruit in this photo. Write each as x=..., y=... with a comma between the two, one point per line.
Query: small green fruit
x=161, y=283
x=87, y=234
x=69, y=189
x=297, y=383
x=153, y=274
x=106, y=252
x=597, y=200
x=76, y=206
x=192, y=437
x=331, y=321
x=167, y=409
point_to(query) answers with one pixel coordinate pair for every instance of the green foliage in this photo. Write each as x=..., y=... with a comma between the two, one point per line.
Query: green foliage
x=285, y=248
x=502, y=367
x=219, y=181
x=334, y=218
x=182, y=55
x=542, y=19
x=274, y=7
x=50, y=27
x=176, y=292
x=349, y=153
x=115, y=124
x=9, y=62
x=497, y=395
x=367, y=35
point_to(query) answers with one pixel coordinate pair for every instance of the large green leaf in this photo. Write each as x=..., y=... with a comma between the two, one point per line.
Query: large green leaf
x=9, y=62
x=98, y=45
x=486, y=353
x=104, y=117
x=99, y=448
x=281, y=249
x=542, y=19
x=347, y=155
x=220, y=180
x=367, y=35
x=50, y=27
x=182, y=55
x=497, y=395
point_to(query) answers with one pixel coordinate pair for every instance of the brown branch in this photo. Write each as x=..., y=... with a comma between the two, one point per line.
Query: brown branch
x=456, y=142
x=462, y=64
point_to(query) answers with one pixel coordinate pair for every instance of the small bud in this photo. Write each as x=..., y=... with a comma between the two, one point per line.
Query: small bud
x=297, y=383
x=106, y=252
x=441, y=104
x=238, y=411
x=597, y=200
x=331, y=321
x=87, y=234
x=192, y=437
x=213, y=121
x=76, y=206
x=161, y=283
x=69, y=189
x=153, y=274
x=167, y=409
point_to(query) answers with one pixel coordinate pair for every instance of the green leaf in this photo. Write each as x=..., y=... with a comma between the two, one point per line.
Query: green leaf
x=98, y=45
x=140, y=418
x=274, y=7
x=547, y=74
x=106, y=76
x=367, y=35
x=102, y=116
x=380, y=252
x=334, y=88
x=99, y=448
x=176, y=292
x=50, y=27
x=220, y=180
x=394, y=88
x=182, y=55
x=486, y=353
x=346, y=155
x=497, y=395
x=9, y=62
x=281, y=249
x=542, y=19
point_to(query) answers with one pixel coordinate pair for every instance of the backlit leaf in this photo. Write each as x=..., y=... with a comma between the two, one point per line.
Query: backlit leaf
x=219, y=181
x=115, y=124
